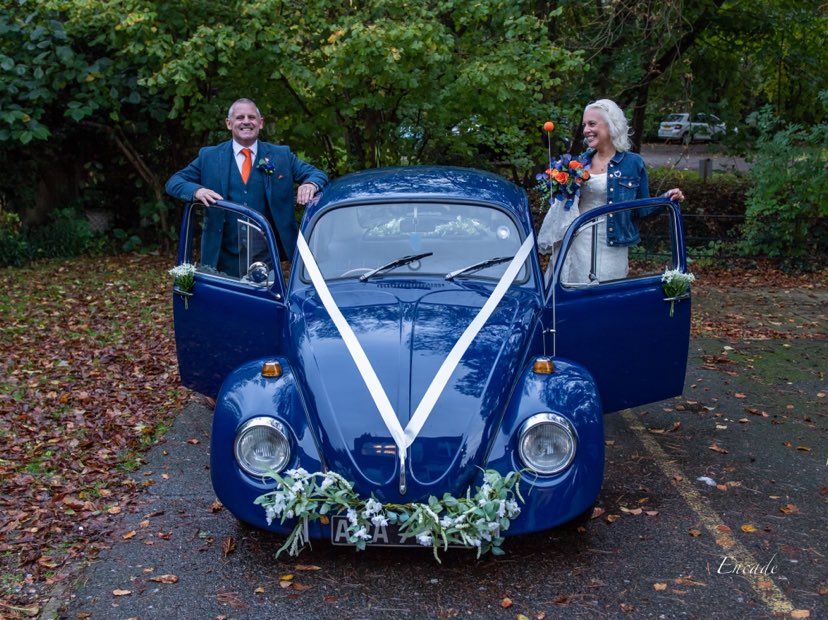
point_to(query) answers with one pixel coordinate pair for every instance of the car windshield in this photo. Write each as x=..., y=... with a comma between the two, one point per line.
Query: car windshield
x=674, y=117
x=348, y=242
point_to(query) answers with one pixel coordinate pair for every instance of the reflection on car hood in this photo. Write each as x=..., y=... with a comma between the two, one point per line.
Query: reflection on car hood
x=406, y=333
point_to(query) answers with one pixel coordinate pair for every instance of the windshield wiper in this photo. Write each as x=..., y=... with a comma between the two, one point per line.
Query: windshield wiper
x=394, y=264
x=478, y=266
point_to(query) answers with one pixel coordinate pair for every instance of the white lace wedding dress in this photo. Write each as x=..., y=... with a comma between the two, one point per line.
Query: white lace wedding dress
x=611, y=261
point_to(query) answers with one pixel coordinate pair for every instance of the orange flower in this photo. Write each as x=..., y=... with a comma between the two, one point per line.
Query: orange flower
x=586, y=175
x=548, y=126
x=575, y=164
x=550, y=172
x=562, y=177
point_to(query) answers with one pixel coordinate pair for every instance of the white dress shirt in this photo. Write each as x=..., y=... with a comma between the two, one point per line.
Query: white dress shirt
x=237, y=151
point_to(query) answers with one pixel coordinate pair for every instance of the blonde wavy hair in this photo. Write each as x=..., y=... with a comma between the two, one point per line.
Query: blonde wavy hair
x=619, y=130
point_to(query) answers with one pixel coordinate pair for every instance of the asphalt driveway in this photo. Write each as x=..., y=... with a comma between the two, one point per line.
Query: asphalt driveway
x=664, y=544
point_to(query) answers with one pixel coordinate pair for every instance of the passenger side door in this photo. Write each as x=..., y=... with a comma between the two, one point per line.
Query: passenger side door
x=607, y=307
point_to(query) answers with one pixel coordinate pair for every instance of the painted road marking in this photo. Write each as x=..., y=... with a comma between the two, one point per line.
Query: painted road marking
x=763, y=585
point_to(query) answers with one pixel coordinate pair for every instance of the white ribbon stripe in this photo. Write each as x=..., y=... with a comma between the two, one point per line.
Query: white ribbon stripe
x=404, y=438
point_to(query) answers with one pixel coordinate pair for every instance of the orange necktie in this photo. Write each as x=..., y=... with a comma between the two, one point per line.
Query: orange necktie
x=247, y=165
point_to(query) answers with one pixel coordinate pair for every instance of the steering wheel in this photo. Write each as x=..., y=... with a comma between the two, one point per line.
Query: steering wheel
x=354, y=271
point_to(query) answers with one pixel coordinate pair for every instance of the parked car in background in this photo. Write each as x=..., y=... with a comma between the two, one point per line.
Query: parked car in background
x=688, y=128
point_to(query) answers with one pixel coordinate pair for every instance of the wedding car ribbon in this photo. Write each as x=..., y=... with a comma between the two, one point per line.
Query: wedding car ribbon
x=404, y=438
x=364, y=367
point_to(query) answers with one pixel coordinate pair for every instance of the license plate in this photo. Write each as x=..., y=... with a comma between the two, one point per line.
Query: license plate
x=381, y=536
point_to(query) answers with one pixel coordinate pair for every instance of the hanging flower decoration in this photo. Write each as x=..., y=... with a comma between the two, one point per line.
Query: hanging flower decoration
x=183, y=281
x=676, y=283
x=476, y=520
x=563, y=178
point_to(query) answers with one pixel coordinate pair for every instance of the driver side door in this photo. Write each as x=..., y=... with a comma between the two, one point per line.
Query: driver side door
x=236, y=310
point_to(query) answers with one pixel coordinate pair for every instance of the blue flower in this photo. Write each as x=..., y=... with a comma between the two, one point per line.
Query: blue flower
x=266, y=166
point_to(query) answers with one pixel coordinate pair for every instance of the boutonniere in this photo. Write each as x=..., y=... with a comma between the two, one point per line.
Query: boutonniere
x=266, y=166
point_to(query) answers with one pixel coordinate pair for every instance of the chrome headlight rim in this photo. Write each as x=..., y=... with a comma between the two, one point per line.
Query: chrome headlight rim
x=547, y=418
x=267, y=422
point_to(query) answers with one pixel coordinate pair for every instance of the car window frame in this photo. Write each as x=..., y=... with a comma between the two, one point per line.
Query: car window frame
x=679, y=261
x=299, y=268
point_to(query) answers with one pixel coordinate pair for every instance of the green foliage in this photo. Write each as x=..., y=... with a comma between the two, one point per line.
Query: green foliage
x=14, y=249
x=788, y=204
x=67, y=234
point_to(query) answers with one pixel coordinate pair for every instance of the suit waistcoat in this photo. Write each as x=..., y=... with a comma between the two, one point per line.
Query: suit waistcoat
x=251, y=195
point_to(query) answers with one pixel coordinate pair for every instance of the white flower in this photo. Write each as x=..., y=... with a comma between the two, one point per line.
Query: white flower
x=425, y=539
x=298, y=487
x=485, y=490
x=299, y=473
x=352, y=516
x=671, y=275
x=475, y=541
x=362, y=533
x=446, y=522
x=289, y=514
x=182, y=270
x=501, y=509
x=512, y=509
x=326, y=482
x=490, y=477
x=379, y=521
x=270, y=514
x=372, y=507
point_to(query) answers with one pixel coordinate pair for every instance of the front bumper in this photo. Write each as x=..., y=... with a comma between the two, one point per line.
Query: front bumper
x=549, y=500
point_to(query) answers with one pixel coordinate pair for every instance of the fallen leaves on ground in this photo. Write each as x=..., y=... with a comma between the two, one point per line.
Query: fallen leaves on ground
x=165, y=578
x=88, y=381
x=506, y=603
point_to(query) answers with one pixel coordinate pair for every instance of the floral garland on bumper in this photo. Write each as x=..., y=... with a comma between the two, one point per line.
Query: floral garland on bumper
x=477, y=520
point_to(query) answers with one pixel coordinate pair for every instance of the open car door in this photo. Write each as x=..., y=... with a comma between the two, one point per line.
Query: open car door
x=607, y=306
x=236, y=311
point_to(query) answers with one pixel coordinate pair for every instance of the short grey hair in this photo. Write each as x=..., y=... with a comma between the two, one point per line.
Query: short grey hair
x=242, y=100
x=619, y=130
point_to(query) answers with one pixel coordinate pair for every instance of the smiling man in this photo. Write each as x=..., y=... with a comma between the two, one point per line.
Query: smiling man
x=249, y=172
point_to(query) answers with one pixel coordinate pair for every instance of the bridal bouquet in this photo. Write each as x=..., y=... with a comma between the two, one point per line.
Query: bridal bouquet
x=675, y=284
x=562, y=180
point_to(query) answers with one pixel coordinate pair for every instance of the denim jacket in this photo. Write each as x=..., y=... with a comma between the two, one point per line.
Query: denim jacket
x=626, y=180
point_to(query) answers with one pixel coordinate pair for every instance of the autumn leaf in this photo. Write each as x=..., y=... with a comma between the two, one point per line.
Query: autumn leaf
x=128, y=535
x=259, y=590
x=695, y=533
x=216, y=506
x=193, y=441
x=747, y=528
x=800, y=613
x=228, y=546
x=506, y=603
x=121, y=592
x=612, y=518
x=301, y=587
x=168, y=578
x=307, y=567
x=789, y=509
x=597, y=512
x=659, y=587
x=740, y=395
x=723, y=529
x=716, y=448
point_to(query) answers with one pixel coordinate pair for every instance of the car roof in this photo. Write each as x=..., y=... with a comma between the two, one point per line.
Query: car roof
x=422, y=183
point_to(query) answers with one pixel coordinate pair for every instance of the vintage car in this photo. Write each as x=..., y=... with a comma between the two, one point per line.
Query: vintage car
x=410, y=257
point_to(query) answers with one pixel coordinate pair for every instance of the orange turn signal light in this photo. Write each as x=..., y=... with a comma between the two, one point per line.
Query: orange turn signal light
x=544, y=366
x=271, y=369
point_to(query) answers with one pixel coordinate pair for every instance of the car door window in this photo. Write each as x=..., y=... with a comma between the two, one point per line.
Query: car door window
x=620, y=245
x=226, y=244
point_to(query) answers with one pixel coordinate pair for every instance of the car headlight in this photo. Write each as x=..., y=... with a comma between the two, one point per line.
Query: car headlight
x=547, y=443
x=262, y=445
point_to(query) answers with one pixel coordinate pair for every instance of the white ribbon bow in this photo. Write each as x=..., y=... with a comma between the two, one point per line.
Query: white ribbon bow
x=403, y=438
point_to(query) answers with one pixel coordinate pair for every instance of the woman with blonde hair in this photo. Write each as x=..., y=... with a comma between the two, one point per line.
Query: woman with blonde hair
x=615, y=175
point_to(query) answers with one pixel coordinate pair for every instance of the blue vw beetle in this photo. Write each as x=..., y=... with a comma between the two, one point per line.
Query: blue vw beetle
x=405, y=265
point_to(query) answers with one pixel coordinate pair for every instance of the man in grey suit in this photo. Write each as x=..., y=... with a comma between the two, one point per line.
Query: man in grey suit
x=246, y=171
